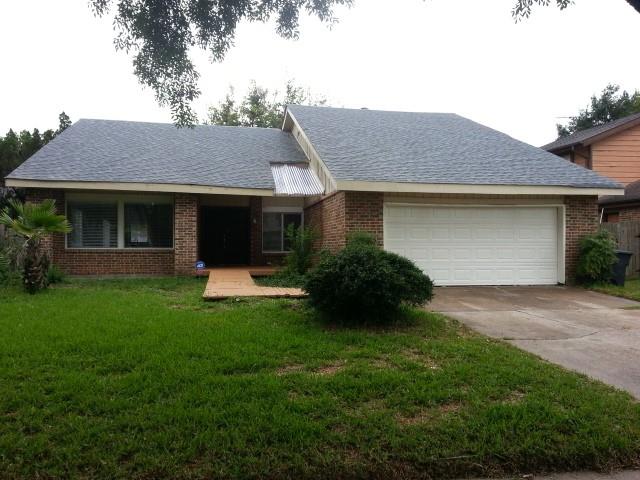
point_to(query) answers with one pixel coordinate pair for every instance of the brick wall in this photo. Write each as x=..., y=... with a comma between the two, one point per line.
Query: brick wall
x=631, y=214
x=335, y=216
x=99, y=261
x=363, y=212
x=344, y=212
x=327, y=217
x=185, y=239
x=581, y=218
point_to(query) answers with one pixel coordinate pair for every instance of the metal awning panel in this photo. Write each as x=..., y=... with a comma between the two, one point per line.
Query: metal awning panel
x=296, y=180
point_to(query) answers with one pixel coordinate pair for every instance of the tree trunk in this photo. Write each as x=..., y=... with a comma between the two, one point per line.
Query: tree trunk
x=36, y=265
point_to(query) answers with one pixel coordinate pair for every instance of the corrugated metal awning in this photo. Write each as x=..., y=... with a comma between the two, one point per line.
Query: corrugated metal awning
x=295, y=180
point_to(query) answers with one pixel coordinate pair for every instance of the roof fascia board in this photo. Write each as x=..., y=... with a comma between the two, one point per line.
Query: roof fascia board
x=313, y=154
x=448, y=188
x=138, y=187
x=611, y=132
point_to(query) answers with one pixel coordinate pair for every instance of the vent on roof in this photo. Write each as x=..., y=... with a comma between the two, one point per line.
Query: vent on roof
x=295, y=180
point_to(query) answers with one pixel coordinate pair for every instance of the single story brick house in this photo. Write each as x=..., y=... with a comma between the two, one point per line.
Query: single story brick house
x=470, y=205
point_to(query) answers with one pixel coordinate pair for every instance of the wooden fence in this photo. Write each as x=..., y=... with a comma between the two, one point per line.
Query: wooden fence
x=628, y=236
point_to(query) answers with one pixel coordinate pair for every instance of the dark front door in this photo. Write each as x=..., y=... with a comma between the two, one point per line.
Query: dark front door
x=224, y=235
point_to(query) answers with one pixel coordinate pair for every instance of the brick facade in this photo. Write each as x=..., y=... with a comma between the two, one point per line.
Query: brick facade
x=185, y=241
x=343, y=212
x=100, y=261
x=327, y=217
x=333, y=217
x=631, y=214
x=581, y=218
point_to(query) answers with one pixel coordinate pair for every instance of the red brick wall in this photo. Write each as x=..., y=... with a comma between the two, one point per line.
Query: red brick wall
x=335, y=216
x=327, y=217
x=581, y=218
x=363, y=212
x=99, y=261
x=629, y=214
x=185, y=241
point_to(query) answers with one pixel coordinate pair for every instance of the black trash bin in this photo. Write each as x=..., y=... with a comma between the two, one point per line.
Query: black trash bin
x=620, y=267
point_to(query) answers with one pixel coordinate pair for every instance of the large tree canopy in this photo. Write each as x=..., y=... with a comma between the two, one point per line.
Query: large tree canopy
x=259, y=107
x=609, y=106
x=160, y=33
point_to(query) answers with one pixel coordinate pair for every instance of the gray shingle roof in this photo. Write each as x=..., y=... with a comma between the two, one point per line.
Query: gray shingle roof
x=371, y=145
x=120, y=151
x=631, y=195
x=583, y=135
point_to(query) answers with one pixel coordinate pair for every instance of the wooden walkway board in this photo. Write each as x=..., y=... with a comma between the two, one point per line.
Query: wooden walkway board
x=237, y=282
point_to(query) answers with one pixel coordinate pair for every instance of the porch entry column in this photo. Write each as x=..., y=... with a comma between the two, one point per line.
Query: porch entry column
x=185, y=239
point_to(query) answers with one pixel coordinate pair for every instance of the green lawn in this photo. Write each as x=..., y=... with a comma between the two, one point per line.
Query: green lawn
x=141, y=379
x=630, y=290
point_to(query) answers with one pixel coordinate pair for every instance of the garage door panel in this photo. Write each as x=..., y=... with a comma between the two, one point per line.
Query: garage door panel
x=477, y=245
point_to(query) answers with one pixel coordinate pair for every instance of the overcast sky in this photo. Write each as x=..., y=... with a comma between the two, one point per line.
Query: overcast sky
x=462, y=56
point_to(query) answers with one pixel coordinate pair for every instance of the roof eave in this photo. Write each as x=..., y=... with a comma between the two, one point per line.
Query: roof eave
x=137, y=187
x=477, y=189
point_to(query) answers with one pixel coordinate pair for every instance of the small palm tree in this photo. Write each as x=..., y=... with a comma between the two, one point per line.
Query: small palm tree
x=33, y=221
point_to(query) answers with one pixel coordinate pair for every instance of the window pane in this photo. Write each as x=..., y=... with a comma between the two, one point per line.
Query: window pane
x=95, y=225
x=272, y=232
x=148, y=225
x=290, y=219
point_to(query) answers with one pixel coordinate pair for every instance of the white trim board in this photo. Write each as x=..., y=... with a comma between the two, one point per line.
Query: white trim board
x=458, y=188
x=137, y=187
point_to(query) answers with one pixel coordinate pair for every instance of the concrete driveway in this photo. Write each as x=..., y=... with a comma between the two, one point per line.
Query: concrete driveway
x=589, y=332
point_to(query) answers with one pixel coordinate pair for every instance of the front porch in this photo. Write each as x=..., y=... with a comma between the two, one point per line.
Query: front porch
x=231, y=282
x=238, y=231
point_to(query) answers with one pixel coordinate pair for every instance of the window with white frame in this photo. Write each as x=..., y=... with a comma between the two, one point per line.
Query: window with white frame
x=101, y=221
x=274, y=228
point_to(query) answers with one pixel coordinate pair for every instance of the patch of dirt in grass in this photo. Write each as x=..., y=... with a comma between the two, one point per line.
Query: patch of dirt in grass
x=426, y=415
x=383, y=363
x=514, y=397
x=291, y=368
x=330, y=369
x=417, y=356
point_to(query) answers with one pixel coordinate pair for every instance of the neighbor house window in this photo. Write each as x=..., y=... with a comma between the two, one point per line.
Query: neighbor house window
x=124, y=222
x=274, y=227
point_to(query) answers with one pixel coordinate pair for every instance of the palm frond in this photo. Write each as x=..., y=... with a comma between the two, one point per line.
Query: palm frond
x=35, y=219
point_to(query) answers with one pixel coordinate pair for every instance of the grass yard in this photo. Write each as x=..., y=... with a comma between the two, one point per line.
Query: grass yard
x=631, y=289
x=142, y=379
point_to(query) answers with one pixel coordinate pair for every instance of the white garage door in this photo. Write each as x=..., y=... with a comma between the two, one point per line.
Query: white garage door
x=477, y=245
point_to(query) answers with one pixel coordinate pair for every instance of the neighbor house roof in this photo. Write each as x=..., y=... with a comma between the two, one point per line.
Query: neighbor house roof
x=158, y=153
x=586, y=137
x=360, y=145
x=631, y=195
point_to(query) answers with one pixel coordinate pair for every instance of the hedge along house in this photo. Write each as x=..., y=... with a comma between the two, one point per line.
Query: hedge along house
x=470, y=205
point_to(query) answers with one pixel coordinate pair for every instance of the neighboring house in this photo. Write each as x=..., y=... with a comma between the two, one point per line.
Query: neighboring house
x=612, y=150
x=622, y=208
x=470, y=205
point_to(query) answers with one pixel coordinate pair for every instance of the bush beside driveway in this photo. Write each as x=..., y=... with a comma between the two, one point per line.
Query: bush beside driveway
x=141, y=379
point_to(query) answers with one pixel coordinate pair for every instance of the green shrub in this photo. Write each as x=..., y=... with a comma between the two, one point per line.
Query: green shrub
x=359, y=237
x=597, y=257
x=55, y=275
x=301, y=253
x=364, y=284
